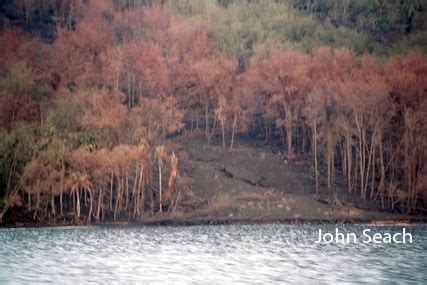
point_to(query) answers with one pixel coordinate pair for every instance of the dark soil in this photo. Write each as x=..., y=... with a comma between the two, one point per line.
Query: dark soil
x=253, y=182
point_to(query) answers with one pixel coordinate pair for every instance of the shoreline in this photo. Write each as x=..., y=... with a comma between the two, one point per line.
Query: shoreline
x=221, y=192
x=171, y=222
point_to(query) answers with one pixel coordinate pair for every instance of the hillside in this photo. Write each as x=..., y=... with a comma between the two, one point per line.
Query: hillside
x=137, y=111
x=252, y=183
x=240, y=27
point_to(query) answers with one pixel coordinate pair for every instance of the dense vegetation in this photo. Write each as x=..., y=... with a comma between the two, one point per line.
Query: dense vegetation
x=90, y=91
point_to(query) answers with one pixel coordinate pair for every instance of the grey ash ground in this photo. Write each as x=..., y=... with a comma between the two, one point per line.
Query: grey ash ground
x=254, y=183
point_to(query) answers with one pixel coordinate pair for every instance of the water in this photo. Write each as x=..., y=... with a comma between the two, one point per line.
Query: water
x=257, y=253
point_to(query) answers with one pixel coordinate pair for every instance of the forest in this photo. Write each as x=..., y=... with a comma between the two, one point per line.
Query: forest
x=93, y=95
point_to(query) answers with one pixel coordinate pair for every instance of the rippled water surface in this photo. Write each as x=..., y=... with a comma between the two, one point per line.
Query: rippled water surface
x=258, y=253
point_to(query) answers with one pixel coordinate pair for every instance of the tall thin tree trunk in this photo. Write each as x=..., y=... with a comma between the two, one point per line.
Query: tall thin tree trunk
x=207, y=121
x=52, y=202
x=118, y=193
x=135, y=195
x=100, y=202
x=289, y=141
x=288, y=126
x=141, y=201
x=315, y=157
x=233, y=131
x=127, y=190
x=61, y=187
x=382, y=179
x=111, y=191
x=361, y=152
x=90, y=205
x=73, y=198
x=349, y=160
x=78, y=203
x=373, y=173
x=160, y=187
x=330, y=158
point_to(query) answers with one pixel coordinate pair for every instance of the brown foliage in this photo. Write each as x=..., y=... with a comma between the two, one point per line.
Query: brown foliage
x=143, y=72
